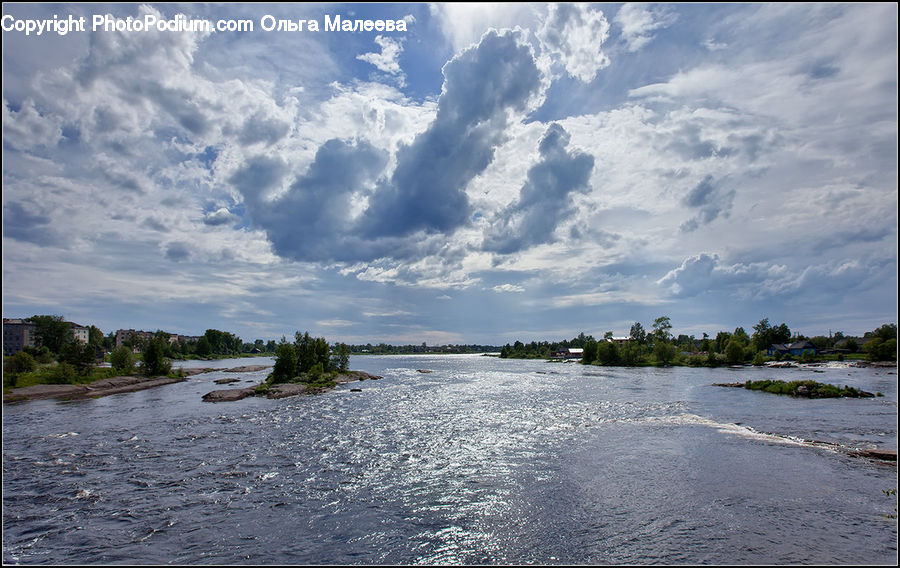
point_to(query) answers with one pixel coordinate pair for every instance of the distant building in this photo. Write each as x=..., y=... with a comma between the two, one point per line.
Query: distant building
x=568, y=353
x=80, y=332
x=125, y=335
x=17, y=335
x=794, y=348
x=619, y=341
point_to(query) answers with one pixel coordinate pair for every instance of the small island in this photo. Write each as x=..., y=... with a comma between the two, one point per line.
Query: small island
x=802, y=389
x=306, y=366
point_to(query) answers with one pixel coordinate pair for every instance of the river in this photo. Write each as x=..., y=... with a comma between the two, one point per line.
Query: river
x=480, y=461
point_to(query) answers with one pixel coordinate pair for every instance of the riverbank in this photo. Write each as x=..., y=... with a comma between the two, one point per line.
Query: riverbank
x=112, y=385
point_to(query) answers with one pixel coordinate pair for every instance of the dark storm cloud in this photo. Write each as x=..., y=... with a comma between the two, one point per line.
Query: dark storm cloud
x=544, y=200
x=311, y=220
x=427, y=189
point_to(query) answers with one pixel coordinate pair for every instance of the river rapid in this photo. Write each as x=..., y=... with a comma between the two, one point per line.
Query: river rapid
x=480, y=461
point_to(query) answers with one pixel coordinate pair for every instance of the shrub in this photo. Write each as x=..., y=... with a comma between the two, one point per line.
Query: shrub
x=62, y=374
x=20, y=362
x=122, y=359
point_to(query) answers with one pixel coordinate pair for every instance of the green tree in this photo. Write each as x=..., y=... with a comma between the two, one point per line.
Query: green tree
x=608, y=353
x=155, y=361
x=285, y=363
x=741, y=335
x=340, y=359
x=95, y=336
x=122, y=359
x=632, y=353
x=722, y=339
x=82, y=356
x=590, y=352
x=638, y=334
x=661, y=328
x=734, y=351
x=664, y=352
x=204, y=349
x=53, y=332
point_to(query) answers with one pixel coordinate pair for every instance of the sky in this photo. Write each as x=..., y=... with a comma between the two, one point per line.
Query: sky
x=493, y=173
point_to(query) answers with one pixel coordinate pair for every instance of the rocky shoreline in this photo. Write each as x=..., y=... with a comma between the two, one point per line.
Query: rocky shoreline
x=112, y=385
x=283, y=390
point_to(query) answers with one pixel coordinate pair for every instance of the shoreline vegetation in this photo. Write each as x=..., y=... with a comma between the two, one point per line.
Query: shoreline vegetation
x=768, y=345
x=801, y=389
x=316, y=365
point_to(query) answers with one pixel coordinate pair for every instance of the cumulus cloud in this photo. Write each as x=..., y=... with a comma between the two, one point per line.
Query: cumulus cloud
x=638, y=21
x=310, y=219
x=544, y=199
x=27, y=128
x=573, y=34
x=482, y=85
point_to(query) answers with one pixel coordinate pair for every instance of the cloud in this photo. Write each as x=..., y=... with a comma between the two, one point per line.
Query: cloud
x=27, y=128
x=221, y=216
x=711, y=201
x=178, y=251
x=312, y=219
x=544, y=199
x=29, y=223
x=482, y=86
x=508, y=288
x=387, y=60
x=573, y=34
x=639, y=20
x=704, y=273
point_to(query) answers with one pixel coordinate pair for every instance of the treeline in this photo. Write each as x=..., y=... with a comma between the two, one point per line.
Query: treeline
x=385, y=349
x=658, y=346
x=213, y=343
x=542, y=349
x=308, y=359
x=63, y=359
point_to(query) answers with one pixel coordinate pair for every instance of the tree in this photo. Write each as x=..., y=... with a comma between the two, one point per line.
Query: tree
x=203, y=347
x=95, y=336
x=638, y=334
x=155, y=361
x=340, y=359
x=80, y=355
x=741, y=335
x=765, y=335
x=761, y=332
x=734, y=351
x=590, y=352
x=664, y=352
x=285, y=363
x=632, y=353
x=607, y=353
x=53, y=332
x=661, y=327
x=122, y=359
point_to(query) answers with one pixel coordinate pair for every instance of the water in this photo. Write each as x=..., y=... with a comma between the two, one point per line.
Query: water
x=482, y=461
